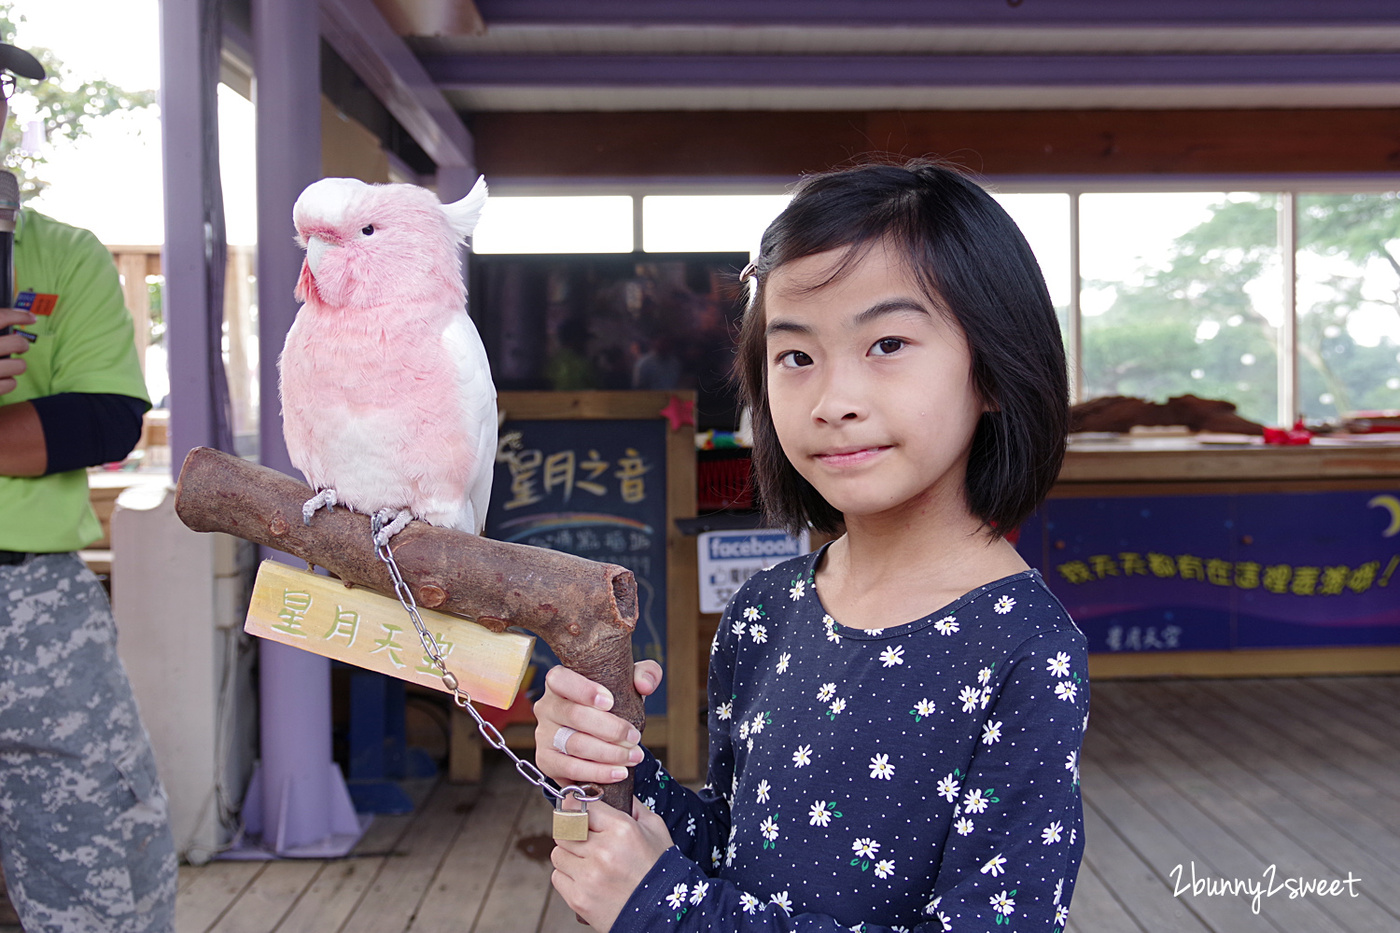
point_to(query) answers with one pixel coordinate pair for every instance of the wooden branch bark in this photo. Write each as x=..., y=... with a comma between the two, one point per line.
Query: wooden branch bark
x=583, y=609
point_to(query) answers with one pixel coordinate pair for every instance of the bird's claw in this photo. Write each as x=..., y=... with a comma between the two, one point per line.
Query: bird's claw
x=326, y=498
x=387, y=523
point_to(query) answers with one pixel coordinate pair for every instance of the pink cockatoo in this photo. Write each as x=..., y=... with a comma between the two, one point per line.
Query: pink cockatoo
x=388, y=406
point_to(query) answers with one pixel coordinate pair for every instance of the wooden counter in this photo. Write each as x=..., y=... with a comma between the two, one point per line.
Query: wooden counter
x=1184, y=557
x=1186, y=459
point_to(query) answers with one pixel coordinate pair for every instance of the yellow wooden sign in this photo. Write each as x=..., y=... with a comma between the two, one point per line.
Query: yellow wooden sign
x=360, y=627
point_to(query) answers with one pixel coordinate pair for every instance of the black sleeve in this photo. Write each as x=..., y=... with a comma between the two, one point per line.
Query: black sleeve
x=84, y=429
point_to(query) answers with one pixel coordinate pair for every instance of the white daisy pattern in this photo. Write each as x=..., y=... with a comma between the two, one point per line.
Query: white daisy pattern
x=865, y=848
x=991, y=733
x=877, y=763
x=948, y=788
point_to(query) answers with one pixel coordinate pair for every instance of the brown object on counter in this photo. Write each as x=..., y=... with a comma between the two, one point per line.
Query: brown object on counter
x=1120, y=413
x=583, y=609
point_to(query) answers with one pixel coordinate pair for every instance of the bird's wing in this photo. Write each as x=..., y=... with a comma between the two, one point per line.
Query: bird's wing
x=478, y=405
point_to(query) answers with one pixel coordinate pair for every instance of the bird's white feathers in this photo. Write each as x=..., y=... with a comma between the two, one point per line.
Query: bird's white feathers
x=386, y=390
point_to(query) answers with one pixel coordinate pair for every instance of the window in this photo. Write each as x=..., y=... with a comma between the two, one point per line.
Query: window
x=1285, y=302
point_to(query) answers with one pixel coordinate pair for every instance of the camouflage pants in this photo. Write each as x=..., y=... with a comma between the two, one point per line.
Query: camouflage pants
x=84, y=830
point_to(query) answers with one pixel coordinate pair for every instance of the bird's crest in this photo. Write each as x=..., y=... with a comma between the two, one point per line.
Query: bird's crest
x=464, y=214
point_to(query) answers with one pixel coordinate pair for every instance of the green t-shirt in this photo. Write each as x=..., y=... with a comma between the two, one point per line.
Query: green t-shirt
x=85, y=345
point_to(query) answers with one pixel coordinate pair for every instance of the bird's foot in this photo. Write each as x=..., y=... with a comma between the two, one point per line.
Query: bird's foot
x=326, y=498
x=389, y=522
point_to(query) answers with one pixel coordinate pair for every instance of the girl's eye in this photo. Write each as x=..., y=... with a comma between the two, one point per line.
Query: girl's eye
x=794, y=358
x=887, y=345
x=368, y=229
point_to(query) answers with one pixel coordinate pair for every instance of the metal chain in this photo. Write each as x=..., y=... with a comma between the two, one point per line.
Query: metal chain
x=490, y=733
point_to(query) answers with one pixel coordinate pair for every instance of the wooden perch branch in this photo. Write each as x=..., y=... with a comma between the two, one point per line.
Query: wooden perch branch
x=584, y=610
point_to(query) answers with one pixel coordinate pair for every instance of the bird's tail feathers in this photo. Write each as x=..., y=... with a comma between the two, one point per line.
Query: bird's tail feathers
x=464, y=214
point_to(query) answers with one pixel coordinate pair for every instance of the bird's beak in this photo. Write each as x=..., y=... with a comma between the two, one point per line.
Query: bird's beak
x=315, y=249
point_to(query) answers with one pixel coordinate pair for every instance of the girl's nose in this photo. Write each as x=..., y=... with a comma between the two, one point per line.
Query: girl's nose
x=841, y=399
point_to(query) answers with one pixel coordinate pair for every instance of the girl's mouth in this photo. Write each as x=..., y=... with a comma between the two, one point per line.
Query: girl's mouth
x=850, y=456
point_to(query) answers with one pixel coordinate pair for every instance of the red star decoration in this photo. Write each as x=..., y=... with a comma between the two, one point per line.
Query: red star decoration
x=679, y=412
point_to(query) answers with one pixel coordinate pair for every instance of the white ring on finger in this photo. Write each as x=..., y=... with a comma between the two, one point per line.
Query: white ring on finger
x=561, y=739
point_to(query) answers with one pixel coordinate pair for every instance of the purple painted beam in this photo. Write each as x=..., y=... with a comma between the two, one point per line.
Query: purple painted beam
x=465, y=71
x=1004, y=13
x=182, y=257
x=302, y=798
x=359, y=34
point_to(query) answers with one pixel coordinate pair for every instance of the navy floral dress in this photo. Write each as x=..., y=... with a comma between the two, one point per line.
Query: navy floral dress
x=923, y=777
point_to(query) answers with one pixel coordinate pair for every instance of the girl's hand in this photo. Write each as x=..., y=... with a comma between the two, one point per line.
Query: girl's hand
x=597, y=877
x=605, y=744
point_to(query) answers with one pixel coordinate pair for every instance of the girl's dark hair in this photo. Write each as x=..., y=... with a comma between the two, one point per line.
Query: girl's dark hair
x=973, y=263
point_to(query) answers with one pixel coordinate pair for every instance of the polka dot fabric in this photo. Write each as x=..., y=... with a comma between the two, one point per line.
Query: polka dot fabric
x=923, y=777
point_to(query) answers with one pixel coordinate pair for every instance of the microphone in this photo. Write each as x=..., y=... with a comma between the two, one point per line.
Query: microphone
x=9, y=213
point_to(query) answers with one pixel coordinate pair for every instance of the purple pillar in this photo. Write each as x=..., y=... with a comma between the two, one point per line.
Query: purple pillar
x=304, y=806
x=182, y=257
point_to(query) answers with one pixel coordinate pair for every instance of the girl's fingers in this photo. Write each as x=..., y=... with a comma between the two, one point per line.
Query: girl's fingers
x=571, y=685
x=646, y=677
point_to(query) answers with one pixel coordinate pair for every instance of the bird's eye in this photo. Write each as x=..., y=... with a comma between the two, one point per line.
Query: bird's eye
x=368, y=229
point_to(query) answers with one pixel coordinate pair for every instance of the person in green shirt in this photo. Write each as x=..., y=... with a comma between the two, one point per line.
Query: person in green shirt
x=84, y=826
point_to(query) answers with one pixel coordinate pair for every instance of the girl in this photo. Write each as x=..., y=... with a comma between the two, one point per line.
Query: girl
x=895, y=720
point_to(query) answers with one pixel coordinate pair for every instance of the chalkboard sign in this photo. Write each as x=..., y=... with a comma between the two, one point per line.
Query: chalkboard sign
x=604, y=475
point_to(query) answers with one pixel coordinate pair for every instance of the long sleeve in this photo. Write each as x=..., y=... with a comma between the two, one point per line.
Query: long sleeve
x=699, y=822
x=1018, y=831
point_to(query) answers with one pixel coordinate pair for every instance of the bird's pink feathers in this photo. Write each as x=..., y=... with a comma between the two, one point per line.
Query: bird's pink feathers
x=386, y=392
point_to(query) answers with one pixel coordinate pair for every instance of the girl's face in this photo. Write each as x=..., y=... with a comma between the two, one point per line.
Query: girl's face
x=870, y=385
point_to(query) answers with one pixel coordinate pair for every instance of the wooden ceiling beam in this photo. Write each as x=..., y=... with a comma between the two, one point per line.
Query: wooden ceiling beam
x=1023, y=143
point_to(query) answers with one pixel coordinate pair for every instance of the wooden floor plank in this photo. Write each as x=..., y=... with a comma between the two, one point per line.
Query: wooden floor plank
x=521, y=889
x=261, y=908
x=1208, y=776
x=332, y=896
x=1294, y=772
x=461, y=882
x=1094, y=909
x=393, y=898
x=217, y=885
x=1325, y=732
x=1363, y=728
x=1139, y=889
x=1160, y=840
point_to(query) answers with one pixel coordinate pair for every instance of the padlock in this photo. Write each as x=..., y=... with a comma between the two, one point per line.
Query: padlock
x=571, y=825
